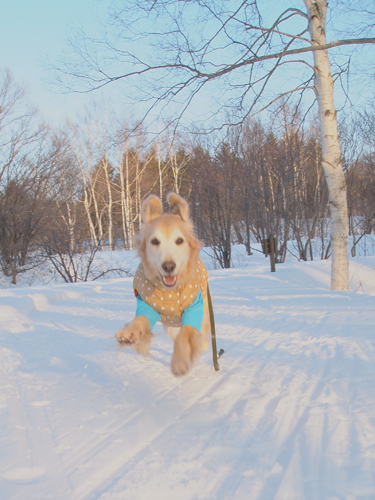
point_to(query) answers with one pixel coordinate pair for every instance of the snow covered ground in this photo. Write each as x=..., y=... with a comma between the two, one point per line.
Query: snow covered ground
x=290, y=415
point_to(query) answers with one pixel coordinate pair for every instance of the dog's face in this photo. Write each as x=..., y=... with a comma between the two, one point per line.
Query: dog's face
x=167, y=244
x=167, y=248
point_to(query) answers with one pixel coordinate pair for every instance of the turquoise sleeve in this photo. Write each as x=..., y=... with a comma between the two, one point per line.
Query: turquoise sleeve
x=143, y=309
x=193, y=315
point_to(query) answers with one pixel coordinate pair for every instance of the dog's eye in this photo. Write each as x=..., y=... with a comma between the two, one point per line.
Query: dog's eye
x=179, y=241
x=155, y=242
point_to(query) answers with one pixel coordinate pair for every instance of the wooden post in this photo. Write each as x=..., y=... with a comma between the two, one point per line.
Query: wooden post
x=266, y=247
x=272, y=252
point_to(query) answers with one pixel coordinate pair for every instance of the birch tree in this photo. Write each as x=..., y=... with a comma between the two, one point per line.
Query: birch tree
x=178, y=164
x=331, y=152
x=133, y=160
x=82, y=156
x=125, y=192
x=100, y=140
x=237, y=62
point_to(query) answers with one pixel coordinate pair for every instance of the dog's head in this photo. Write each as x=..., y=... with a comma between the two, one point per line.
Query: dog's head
x=167, y=244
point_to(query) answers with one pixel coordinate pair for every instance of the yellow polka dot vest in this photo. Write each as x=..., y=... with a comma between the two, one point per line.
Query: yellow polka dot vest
x=170, y=304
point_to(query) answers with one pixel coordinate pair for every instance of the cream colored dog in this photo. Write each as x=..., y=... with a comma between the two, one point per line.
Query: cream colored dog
x=170, y=284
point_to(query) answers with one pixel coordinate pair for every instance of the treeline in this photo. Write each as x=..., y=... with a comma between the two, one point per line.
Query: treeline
x=69, y=193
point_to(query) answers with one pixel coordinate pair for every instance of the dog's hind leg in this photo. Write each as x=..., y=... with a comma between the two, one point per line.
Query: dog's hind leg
x=137, y=335
x=187, y=347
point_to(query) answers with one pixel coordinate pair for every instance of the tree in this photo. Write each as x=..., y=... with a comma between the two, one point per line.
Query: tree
x=331, y=152
x=20, y=128
x=26, y=206
x=216, y=192
x=27, y=156
x=203, y=43
x=358, y=141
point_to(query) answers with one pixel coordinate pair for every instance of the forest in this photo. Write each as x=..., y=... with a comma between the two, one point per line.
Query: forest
x=68, y=193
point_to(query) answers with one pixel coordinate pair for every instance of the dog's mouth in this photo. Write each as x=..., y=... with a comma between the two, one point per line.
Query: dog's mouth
x=169, y=281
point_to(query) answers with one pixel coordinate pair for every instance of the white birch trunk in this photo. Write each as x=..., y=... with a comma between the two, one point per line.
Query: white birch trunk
x=123, y=200
x=138, y=195
x=109, y=205
x=97, y=131
x=331, y=153
x=161, y=169
x=86, y=204
x=126, y=200
x=96, y=206
x=175, y=171
x=160, y=176
x=272, y=192
x=86, y=201
x=71, y=224
x=88, y=185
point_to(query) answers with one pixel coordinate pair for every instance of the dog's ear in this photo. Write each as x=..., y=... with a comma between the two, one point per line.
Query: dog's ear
x=151, y=208
x=180, y=206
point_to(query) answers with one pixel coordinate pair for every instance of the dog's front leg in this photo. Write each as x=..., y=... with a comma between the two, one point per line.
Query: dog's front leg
x=137, y=335
x=187, y=347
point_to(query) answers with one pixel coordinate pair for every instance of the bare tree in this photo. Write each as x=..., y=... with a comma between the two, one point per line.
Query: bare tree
x=229, y=50
x=27, y=160
x=20, y=127
x=331, y=152
x=26, y=206
x=82, y=156
x=358, y=146
x=133, y=161
x=217, y=201
x=91, y=144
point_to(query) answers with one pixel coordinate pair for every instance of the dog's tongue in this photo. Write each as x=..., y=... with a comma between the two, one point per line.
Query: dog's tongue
x=169, y=280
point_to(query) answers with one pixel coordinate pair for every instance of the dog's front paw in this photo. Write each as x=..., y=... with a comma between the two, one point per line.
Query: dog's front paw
x=180, y=365
x=136, y=335
x=187, y=348
x=128, y=336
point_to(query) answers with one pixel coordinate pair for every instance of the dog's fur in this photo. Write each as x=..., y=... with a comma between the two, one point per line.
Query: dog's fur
x=169, y=252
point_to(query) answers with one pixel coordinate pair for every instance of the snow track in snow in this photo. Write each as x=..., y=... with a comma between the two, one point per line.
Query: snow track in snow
x=290, y=414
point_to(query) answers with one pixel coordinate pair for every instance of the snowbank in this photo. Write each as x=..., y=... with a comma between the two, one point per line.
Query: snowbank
x=290, y=414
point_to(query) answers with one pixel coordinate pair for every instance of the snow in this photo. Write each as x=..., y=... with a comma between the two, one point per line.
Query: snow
x=290, y=415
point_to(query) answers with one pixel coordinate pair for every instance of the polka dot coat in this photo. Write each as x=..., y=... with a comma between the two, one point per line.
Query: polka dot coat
x=170, y=304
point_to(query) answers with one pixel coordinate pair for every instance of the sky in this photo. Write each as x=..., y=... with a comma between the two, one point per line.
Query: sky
x=31, y=31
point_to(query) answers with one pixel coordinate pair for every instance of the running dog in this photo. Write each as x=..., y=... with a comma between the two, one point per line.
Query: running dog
x=170, y=284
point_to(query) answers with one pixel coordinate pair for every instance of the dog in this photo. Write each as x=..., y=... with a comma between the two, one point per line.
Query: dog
x=170, y=284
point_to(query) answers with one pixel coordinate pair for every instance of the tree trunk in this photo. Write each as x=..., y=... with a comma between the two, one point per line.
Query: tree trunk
x=110, y=204
x=175, y=171
x=138, y=213
x=98, y=216
x=71, y=224
x=160, y=170
x=86, y=203
x=331, y=153
x=126, y=200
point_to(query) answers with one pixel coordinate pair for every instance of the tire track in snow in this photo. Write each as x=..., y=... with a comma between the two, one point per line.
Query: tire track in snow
x=34, y=433
x=153, y=423
x=290, y=443
x=101, y=443
x=225, y=377
x=159, y=404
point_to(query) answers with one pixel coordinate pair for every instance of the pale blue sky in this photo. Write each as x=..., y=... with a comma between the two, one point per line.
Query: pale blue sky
x=32, y=29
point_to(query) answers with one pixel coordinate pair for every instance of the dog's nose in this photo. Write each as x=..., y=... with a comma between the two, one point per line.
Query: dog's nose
x=169, y=266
